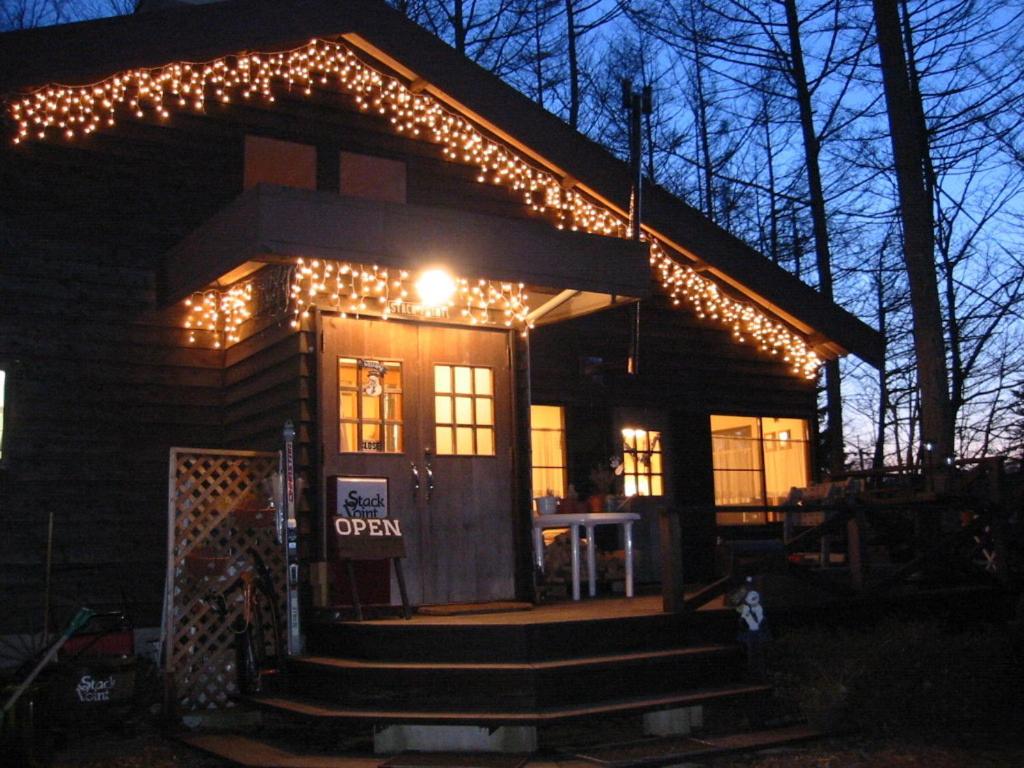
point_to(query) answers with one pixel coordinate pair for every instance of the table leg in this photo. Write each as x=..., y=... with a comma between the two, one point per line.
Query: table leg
x=629, y=558
x=575, y=538
x=591, y=562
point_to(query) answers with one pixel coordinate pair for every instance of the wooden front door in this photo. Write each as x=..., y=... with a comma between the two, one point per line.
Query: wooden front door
x=399, y=399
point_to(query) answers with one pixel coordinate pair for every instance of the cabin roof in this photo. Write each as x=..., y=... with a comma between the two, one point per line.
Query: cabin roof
x=89, y=51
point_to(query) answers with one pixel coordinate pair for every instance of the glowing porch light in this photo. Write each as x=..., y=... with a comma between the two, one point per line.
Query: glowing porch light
x=435, y=288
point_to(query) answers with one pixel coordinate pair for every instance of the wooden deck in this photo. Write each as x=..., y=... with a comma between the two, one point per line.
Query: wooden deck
x=583, y=610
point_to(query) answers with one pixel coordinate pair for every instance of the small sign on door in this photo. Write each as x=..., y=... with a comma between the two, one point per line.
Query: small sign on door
x=361, y=525
x=361, y=497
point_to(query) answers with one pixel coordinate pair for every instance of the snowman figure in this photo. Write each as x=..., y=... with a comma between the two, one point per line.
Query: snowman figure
x=373, y=386
x=753, y=631
x=751, y=611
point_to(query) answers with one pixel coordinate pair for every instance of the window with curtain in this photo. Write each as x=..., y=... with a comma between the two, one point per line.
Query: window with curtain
x=547, y=441
x=757, y=460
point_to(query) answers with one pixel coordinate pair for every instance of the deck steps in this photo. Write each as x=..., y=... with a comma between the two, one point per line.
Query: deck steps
x=496, y=717
x=529, y=685
x=525, y=669
x=520, y=640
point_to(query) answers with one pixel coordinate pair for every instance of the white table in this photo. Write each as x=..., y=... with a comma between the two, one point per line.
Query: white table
x=590, y=521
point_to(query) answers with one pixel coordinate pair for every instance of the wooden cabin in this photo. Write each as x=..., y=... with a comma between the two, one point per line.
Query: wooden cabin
x=219, y=218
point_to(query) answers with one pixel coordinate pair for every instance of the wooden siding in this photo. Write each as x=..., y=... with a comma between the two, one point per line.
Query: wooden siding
x=101, y=384
x=98, y=391
x=688, y=370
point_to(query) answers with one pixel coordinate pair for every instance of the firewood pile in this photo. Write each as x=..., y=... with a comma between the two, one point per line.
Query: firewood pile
x=611, y=566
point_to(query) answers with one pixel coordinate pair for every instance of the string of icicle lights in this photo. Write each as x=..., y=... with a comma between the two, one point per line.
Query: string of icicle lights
x=364, y=289
x=219, y=313
x=74, y=111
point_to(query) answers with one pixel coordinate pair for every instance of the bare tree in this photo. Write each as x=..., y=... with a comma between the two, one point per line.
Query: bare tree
x=911, y=158
x=25, y=14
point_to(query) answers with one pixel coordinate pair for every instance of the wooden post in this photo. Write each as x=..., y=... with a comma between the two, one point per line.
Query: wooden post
x=406, y=613
x=854, y=550
x=355, y=589
x=672, y=595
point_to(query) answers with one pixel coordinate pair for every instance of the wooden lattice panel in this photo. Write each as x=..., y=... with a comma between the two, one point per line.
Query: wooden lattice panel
x=217, y=516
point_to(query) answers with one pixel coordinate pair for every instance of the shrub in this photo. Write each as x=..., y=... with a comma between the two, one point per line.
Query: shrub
x=901, y=676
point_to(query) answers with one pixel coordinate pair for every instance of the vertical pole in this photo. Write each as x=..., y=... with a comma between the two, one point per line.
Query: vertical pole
x=854, y=551
x=291, y=544
x=673, y=599
x=635, y=165
x=49, y=572
x=636, y=104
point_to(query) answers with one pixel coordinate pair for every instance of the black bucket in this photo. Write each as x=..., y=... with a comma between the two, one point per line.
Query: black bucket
x=98, y=690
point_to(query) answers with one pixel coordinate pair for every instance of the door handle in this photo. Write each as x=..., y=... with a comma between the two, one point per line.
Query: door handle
x=430, y=472
x=415, y=479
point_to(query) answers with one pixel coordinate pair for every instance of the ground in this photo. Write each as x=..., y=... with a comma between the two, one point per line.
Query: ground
x=153, y=749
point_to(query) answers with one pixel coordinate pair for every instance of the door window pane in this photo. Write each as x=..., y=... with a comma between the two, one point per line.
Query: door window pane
x=442, y=378
x=348, y=442
x=443, y=409
x=370, y=441
x=348, y=405
x=369, y=406
x=392, y=407
x=463, y=410
x=641, y=462
x=393, y=438
x=456, y=421
x=482, y=381
x=464, y=441
x=445, y=442
x=485, y=442
x=484, y=413
x=464, y=380
x=347, y=373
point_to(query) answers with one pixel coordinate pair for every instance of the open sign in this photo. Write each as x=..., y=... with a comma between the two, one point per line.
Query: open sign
x=361, y=526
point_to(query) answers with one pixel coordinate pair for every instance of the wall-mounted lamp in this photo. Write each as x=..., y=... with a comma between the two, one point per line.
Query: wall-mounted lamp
x=435, y=287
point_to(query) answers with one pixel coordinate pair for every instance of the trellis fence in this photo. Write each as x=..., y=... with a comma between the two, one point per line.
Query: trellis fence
x=220, y=511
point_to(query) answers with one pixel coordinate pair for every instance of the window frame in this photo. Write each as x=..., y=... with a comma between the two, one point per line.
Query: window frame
x=359, y=420
x=761, y=510
x=453, y=395
x=564, y=467
x=637, y=472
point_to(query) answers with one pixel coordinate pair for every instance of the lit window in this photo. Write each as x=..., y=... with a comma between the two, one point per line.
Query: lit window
x=757, y=460
x=547, y=442
x=464, y=410
x=642, y=473
x=369, y=406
